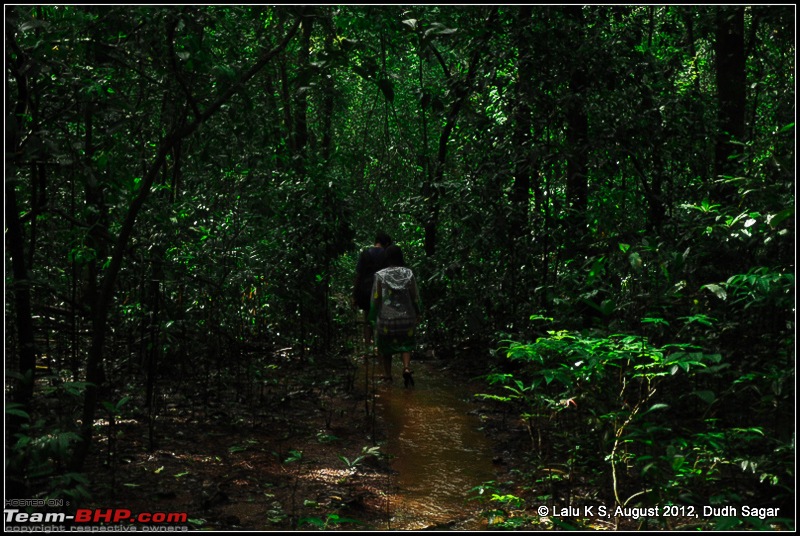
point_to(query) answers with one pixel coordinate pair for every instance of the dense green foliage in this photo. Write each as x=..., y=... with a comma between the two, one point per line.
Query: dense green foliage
x=599, y=200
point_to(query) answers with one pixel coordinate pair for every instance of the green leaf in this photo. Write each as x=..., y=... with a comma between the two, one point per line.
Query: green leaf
x=718, y=291
x=14, y=409
x=294, y=456
x=656, y=407
x=706, y=396
x=699, y=319
x=775, y=219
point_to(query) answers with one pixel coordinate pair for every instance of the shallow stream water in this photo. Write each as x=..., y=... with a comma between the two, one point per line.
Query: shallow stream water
x=437, y=449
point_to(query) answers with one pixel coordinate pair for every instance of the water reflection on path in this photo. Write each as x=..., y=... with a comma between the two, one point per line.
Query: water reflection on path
x=438, y=452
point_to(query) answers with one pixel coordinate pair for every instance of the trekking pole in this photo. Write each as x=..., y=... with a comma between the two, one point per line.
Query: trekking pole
x=365, y=357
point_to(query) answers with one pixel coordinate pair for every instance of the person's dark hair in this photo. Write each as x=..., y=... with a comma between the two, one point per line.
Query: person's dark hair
x=383, y=239
x=394, y=256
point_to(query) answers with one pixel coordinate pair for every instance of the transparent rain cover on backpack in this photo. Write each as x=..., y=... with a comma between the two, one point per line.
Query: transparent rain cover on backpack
x=398, y=293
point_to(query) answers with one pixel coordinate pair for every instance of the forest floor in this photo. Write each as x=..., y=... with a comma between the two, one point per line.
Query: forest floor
x=295, y=460
x=296, y=463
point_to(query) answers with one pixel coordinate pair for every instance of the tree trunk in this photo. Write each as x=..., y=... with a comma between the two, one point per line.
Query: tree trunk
x=731, y=96
x=21, y=289
x=328, y=91
x=522, y=126
x=15, y=239
x=577, y=138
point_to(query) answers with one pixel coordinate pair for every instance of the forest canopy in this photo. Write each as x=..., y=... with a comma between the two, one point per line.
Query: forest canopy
x=188, y=188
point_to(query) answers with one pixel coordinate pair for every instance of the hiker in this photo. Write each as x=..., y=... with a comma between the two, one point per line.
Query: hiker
x=395, y=309
x=370, y=261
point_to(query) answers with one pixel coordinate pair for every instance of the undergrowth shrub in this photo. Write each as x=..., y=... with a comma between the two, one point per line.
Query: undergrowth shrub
x=642, y=424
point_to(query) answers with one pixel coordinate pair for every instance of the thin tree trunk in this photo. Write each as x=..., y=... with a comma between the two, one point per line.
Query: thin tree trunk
x=577, y=140
x=522, y=130
x=731, y=95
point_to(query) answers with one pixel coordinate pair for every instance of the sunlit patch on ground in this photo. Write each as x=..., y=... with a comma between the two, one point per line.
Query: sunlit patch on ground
x=330, y=476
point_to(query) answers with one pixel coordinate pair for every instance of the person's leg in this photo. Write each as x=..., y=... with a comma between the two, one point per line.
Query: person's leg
x=387, y=366
x=408, y=376
x=406, y=360
x=367, y=330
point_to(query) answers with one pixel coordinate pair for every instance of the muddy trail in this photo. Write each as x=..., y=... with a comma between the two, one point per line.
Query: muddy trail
x=437, y=449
